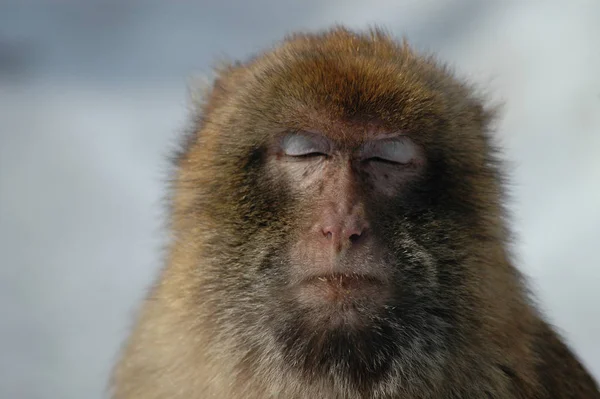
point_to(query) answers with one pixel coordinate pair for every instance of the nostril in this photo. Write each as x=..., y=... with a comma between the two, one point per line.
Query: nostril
x=341, y=234
x=354, y=238
x=327, y=233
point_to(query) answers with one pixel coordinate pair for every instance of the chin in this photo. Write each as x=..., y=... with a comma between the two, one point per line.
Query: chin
x=356, y=332
x=342, y=301
x=343, y=345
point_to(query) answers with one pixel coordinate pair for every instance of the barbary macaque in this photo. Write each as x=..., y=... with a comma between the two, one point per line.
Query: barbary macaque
x=339, y=232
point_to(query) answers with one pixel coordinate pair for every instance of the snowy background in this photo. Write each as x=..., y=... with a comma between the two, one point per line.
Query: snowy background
x=93, y=95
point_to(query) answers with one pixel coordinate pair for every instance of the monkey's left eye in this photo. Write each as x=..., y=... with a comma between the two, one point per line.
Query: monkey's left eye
x=304, y=145
x=400, y=150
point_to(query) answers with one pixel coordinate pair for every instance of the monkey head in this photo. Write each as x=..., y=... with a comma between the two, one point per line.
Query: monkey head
x=342, y=205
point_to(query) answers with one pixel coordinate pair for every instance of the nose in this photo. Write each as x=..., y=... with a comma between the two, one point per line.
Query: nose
x=337, y=233
x=343, y=229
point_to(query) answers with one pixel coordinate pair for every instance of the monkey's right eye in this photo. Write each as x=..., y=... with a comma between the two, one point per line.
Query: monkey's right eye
x=304, y=145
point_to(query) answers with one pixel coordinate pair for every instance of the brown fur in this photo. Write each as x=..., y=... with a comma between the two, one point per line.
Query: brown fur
x=208, y=328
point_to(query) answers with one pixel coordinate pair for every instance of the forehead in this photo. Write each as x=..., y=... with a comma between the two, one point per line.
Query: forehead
x=352, y=88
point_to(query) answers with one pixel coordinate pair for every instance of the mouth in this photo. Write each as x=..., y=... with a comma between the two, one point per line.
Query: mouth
x=343, y=281
x=340, y=287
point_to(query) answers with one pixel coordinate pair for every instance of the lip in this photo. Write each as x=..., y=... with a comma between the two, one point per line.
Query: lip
x=340, y=287
x=345, y=281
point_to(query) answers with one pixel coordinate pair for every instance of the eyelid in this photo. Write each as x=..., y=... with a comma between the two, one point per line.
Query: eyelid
x=303, y=143
x=400, y=150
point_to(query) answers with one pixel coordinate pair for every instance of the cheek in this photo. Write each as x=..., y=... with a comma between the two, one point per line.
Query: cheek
x=387, y=182
x=417, y=263
x=304, y=180
x=304, y=184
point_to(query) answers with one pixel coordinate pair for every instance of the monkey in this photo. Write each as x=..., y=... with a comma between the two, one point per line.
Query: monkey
x=339, y=230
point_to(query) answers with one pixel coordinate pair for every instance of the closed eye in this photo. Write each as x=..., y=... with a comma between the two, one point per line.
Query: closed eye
x=397, y=151
x=310, y=155
x=382, y=160
x=304, y=145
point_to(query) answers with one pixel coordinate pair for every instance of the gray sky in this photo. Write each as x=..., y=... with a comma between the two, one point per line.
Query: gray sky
x=93, y=96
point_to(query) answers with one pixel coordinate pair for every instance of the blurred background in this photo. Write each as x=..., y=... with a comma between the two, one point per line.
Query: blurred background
x=93, y=95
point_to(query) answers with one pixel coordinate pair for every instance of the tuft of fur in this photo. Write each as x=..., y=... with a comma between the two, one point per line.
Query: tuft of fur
x=216, y=324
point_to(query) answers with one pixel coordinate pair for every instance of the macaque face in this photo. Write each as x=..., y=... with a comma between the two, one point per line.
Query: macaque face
x=344, y=199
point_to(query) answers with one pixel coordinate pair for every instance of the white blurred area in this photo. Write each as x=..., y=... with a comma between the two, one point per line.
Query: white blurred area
x=93, y=96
